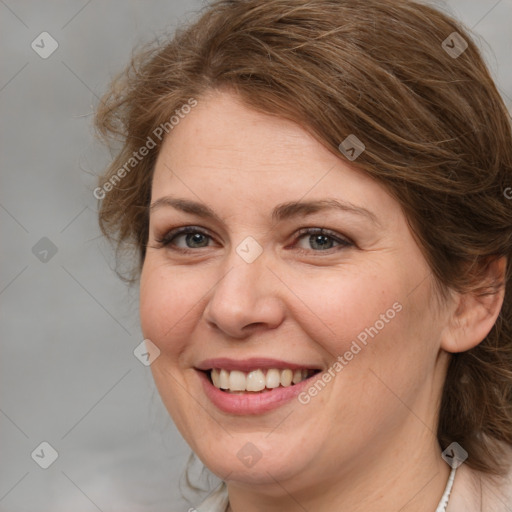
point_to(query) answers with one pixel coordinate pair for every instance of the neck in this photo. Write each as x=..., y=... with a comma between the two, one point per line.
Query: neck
x=406, y=479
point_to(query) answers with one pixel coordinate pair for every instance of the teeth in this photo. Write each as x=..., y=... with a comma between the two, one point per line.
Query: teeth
x=286, y=377
x=257, y=380
x=237, y=381
x=215, y=375
x=273, y=379
x=223, y=379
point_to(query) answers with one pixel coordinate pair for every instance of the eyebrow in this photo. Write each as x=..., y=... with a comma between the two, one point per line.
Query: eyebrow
x=281, y=212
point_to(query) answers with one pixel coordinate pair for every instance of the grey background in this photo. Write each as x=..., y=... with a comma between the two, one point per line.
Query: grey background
x=68, y=375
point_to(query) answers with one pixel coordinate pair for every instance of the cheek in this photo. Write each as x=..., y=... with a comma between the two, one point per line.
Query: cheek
x=373, y=322
x=341, y=306
x=169, y=304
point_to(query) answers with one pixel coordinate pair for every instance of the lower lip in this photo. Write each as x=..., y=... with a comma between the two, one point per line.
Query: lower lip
x=252, y=403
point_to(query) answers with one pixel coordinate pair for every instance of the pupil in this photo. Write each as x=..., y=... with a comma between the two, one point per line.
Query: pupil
x=321, y=240
x=194, y=238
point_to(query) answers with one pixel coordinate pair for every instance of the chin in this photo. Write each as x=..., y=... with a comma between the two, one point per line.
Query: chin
x=248, y=462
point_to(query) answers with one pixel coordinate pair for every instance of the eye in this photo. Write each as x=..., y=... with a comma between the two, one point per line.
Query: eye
x=320, y=239
x=193, y=238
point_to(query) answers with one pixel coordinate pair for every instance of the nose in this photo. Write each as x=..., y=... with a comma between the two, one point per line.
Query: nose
x=246, y=299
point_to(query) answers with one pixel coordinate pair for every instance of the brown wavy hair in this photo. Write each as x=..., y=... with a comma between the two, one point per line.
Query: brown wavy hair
x=437, y=135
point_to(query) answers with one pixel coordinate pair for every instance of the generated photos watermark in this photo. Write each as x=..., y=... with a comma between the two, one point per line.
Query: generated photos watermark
x=137, y=156
x=343, y=360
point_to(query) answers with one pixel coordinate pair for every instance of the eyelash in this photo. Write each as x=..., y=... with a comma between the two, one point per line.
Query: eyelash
x=169, y=237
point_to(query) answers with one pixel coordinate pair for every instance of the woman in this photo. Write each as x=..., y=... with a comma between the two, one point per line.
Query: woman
x=316, y=193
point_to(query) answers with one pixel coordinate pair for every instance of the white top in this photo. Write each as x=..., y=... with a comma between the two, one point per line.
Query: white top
x=218, y=501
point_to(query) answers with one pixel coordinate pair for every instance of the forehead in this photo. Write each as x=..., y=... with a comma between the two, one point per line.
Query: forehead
x=222, y=130
x=223, y=149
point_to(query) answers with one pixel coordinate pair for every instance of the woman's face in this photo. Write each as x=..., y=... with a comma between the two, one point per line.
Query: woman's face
x=255, y=290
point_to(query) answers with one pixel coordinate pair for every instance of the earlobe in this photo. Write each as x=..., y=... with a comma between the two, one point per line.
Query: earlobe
x=472, y=315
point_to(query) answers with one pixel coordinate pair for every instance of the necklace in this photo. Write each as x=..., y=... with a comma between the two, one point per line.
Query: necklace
x=446, y=496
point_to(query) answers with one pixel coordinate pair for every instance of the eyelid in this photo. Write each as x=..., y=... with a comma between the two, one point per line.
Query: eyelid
x=342, y=241
x=324, y=231
x=165, y=239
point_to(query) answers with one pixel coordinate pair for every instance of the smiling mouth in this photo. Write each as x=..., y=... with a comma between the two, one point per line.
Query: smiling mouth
x=257, y=381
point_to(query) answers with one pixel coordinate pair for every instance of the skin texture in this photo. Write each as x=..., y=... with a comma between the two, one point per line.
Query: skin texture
x=365, y=442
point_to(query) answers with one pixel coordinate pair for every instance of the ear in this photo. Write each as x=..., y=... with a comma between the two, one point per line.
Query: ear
x=471, y=317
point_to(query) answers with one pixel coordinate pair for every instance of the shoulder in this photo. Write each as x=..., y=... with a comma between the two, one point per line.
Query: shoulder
x=474, y=491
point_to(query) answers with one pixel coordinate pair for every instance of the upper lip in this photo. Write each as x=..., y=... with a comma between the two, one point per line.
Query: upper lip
x=253, y=363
